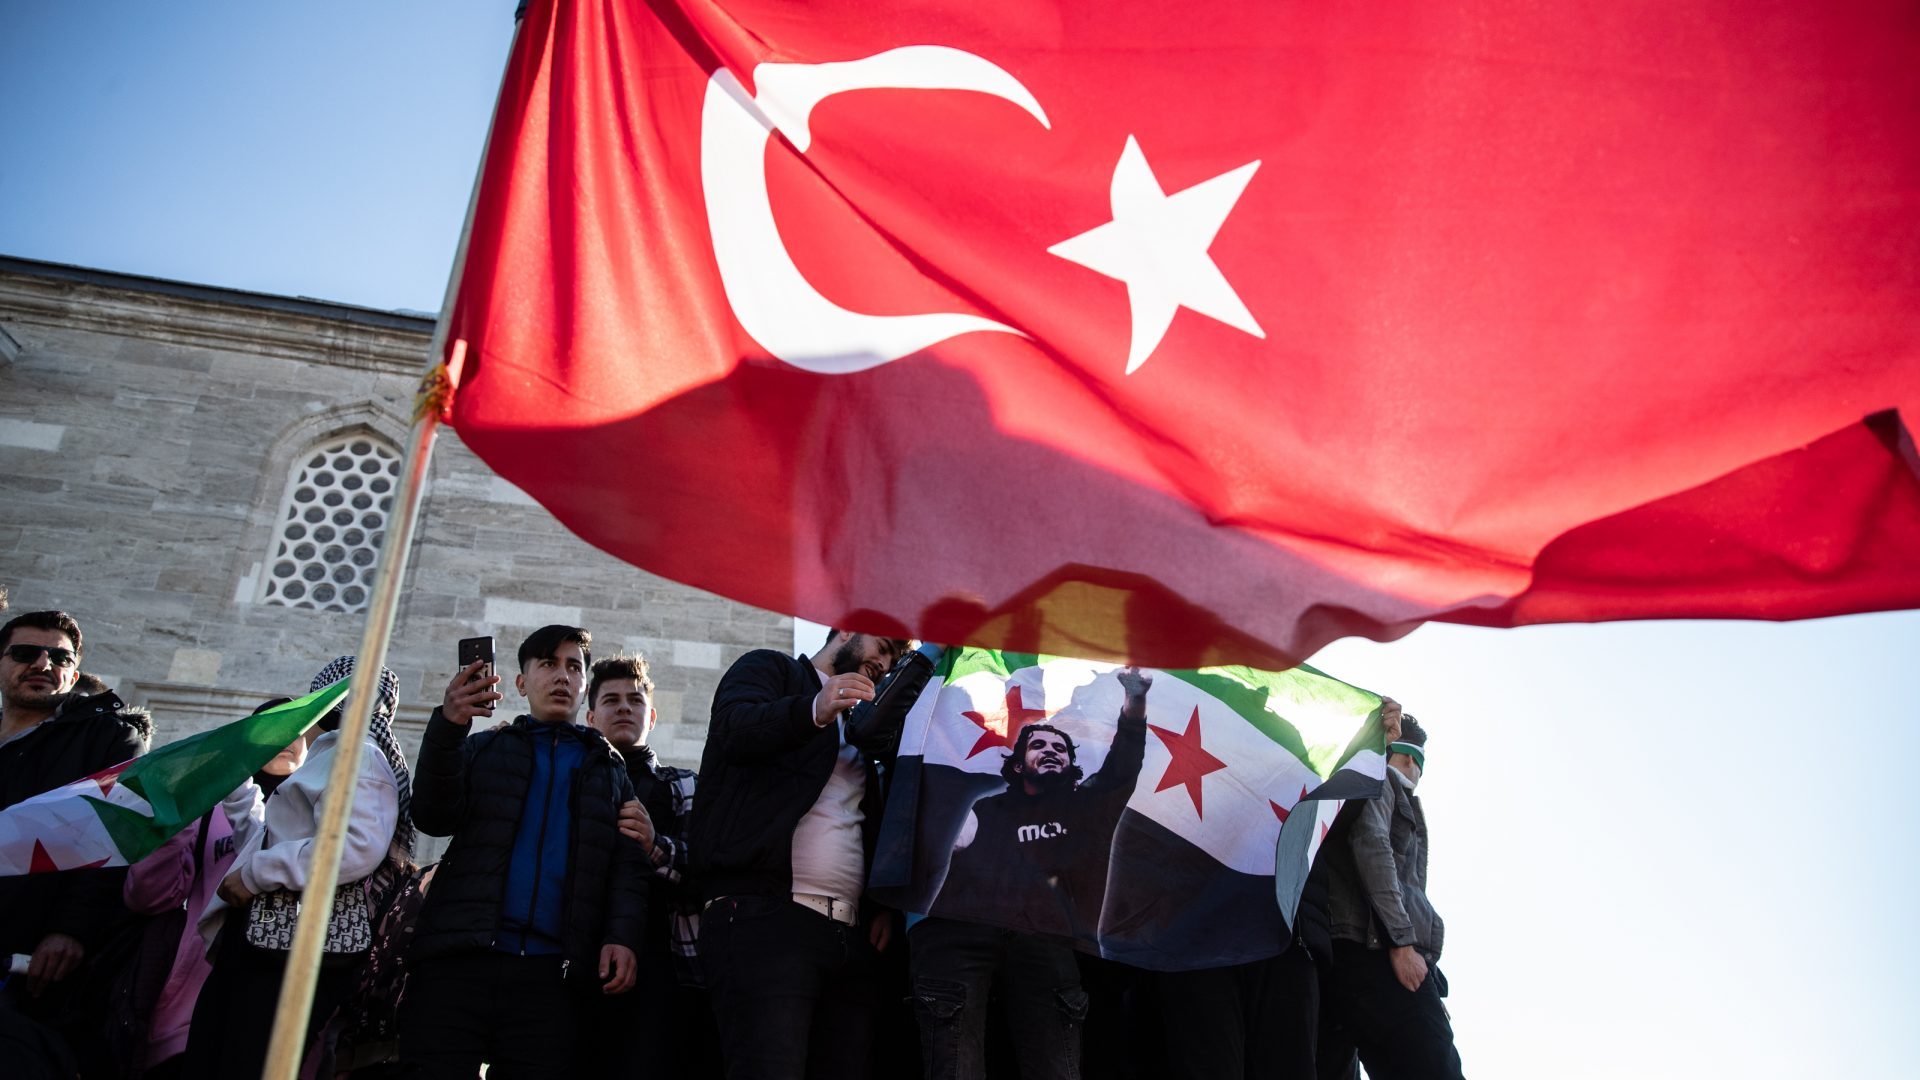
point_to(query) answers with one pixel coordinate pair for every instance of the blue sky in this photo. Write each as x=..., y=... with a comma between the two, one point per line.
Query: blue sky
x=1661, y=849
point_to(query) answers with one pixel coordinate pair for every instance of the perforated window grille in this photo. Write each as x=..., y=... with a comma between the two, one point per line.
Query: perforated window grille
x=331, y=525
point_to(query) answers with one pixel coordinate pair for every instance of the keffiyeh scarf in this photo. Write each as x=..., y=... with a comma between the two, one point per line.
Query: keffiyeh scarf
x=386, y=880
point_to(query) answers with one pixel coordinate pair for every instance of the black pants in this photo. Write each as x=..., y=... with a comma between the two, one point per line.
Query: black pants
x=515, y=1012
x=1400, y=1034
x=659, y=1030
x=1122, y=1040
x=956, y=965
x=1258, y=1020
x=30, y=1049
x=793, y=991
x=233, y=1017
x=174, y=1068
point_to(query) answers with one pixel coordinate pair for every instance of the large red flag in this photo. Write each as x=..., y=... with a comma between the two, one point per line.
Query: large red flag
x=1212, y=332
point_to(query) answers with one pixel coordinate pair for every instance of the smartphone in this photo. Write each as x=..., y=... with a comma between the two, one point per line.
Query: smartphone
x=477, y=648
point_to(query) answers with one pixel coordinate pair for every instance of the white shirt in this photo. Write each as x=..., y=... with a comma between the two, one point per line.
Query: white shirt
x=829, y=855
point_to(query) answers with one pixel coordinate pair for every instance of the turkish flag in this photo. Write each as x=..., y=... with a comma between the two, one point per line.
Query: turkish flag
x=1203, y=333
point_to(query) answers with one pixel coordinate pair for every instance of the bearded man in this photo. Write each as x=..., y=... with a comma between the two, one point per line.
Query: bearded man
x=782, y=839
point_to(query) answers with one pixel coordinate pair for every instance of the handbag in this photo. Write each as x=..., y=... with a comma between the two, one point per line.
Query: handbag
x=271, y=918
x=370, y=1032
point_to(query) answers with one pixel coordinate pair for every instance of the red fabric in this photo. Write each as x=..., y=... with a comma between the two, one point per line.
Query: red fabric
x=1830, y=527
x=1553, y=296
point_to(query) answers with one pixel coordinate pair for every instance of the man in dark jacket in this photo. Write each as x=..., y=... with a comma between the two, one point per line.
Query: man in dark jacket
x=1382, y=994
x=50, y=737
x=665, y=1027
x=539, y=897
x=782, y=840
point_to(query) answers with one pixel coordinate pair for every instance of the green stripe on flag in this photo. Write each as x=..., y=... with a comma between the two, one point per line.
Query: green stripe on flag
x=1314, y=716
x=185, y=779
x=1307, y=711
x=135, y=834
x=958, y=663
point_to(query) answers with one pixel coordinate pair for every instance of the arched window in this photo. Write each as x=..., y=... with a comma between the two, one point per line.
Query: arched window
x=331, y=523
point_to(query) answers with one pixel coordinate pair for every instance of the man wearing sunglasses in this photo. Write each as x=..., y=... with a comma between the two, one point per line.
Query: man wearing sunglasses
x=50, y=737
x=38, y=665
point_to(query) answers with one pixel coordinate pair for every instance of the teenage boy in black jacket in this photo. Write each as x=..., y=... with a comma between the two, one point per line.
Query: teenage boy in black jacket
x=782, y=839
x=664, y=1028
x=539, y=898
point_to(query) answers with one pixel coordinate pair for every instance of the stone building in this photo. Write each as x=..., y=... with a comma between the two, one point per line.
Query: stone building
x=202, y=475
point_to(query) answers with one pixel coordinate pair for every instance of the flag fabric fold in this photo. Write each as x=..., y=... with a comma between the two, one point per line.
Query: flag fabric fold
x=1201, y=339
x=119, y=815
x=1162, y=849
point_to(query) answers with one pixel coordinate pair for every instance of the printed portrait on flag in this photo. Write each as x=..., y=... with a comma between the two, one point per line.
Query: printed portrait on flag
x=1034, y=855
x=1134, y=813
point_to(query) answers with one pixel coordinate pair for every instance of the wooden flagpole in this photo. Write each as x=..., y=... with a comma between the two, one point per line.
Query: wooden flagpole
x=432, y=403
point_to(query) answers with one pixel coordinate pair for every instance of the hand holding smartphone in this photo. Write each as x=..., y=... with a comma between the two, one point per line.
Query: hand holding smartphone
x=471, y=692
x=477, y=648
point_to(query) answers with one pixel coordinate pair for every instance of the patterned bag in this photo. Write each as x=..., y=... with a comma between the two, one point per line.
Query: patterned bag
x=272, y=916
x=369, y=1021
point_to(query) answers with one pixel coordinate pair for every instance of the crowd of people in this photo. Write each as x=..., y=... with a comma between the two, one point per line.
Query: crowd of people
x=598, y=913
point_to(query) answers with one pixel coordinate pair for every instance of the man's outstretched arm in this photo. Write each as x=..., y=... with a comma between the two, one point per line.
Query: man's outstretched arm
x=1129, y=747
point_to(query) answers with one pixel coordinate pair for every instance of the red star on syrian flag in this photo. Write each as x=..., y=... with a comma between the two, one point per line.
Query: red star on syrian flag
x=42, y=863
x=1189, y=760
x=1280, y=812
x=106, y=778
x=994, y=729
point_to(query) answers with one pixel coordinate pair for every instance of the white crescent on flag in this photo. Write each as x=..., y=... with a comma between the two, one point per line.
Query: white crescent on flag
x=773, y=301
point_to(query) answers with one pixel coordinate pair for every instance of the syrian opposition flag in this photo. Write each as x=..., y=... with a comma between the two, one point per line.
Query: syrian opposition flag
x=119, y=815
x=1198, y=334
x=1183, y=868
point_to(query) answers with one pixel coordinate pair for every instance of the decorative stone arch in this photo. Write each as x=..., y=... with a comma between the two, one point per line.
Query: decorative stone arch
x=364, y=432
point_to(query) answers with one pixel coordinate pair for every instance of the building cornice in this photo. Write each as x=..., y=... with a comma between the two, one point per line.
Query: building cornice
x=34, y=293
x=192, y=701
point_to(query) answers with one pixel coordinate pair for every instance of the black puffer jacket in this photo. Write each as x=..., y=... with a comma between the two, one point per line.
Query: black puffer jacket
x=86, y=735
x=473, y=787
x=764, y=765
x=669, y=891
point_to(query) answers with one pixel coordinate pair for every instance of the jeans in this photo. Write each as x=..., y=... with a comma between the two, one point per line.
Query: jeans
x=793, y=991
x=1260, y=1019
x=1401, y=1034
x=515, y=1012
x=956, y=965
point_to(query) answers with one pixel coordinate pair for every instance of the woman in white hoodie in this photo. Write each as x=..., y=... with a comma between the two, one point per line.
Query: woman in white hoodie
x=250, y=924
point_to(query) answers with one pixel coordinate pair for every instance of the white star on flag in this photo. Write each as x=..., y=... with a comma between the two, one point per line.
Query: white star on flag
x=1157, y=244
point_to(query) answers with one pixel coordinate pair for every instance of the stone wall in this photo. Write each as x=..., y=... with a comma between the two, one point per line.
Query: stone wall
x=148, y=431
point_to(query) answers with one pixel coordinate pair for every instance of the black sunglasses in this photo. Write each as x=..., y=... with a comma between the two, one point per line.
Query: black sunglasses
x=27, y=654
